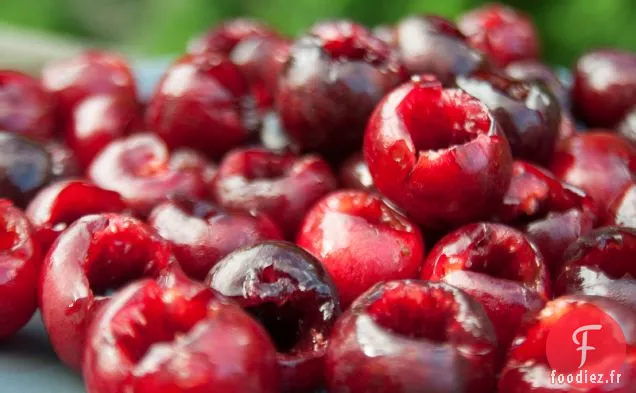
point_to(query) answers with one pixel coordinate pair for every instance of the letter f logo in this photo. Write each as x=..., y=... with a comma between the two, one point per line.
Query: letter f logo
x=584, y=348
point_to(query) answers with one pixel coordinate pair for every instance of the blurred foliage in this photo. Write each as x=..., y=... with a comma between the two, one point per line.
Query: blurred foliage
x=567, y=27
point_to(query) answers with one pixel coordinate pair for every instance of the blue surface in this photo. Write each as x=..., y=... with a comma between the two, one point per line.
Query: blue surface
x=29, y=365
x=148, y=73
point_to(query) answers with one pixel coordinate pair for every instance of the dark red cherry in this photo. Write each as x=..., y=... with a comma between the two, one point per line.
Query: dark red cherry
x=430, y=44
x=332, y=81
x=528, y=113
x=291, y=294
x=25, y=167
x=26, y=109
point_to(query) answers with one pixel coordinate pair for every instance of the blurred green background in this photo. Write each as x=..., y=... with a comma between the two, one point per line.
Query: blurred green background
x=152, y=27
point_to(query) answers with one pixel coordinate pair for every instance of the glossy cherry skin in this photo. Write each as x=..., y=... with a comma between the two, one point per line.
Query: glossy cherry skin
x=273, y=136
x=405, y=336
x=96, y=254
x=203, y=102
x=256, y=49
x=499, y=267
x=627, y=127
x=535, y=71
x=141, y=169
x=282, y=185
x=227, y=35
x=72, y=80
x=623, y=211
x=20, y=259
x=98, y=120
x=343, y=231
x=599, y=162
x=27, y=109
x=551, y=213
x=354, y=173
x=336, y=59
x=202, y=233
x=291, y=294
x=150, y=338
x=527, y=112
x=60, y=204
x=63, y=160
x=604, y=87
x=188, y=160
x=437, y=153
x=429, y=44
x=601, y=264
x=25, y=167
x=503, y=33
x=261, y=60
x=527, y=369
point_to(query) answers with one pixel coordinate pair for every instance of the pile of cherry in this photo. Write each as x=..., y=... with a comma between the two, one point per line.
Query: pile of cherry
x=405, y=209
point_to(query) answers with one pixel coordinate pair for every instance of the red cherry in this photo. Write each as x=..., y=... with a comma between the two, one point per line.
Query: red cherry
x=152, y=339
x=503, y=33
x=526, y=111
x=97, y=121
x=95, y=255
x=291, y=294
x=430, y=44
x=535, y=71
x=354, y=173
x=344, y=231
x=601, y=264
x=226, y=36
x=20, y=259
x=336, y=59
x=550, y=212
x=600, y=163
x=527, y=369
x=280, y=184
x=203, y=102
x=623, y=211
x=437, y=153
x=187, y=160
x=604, y=87
x=72, y=80
x=261, y=60
x=60, y=204
x=140, y=168
x=202, y=233
x=497, y=265
x=27, y=109
x=405, y=336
